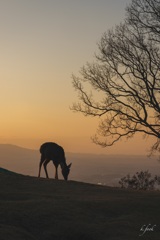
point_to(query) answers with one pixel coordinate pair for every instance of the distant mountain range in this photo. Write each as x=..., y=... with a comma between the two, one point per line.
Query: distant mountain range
x=92, y=168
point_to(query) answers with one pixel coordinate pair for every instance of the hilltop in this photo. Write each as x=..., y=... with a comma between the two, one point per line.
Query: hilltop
x=47, y=209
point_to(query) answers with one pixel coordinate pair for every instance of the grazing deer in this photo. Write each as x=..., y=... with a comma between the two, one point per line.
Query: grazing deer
x=53, y=152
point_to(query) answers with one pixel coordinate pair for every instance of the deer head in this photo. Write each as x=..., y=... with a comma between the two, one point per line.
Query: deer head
x=65, y=170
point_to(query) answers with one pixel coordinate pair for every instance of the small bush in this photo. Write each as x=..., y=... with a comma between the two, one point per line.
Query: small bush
x=140, y=181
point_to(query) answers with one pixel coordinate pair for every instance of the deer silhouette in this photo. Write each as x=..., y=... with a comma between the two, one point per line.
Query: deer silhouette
x=53, y=152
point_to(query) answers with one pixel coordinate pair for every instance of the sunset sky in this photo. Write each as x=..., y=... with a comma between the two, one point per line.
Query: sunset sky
x=42, y=43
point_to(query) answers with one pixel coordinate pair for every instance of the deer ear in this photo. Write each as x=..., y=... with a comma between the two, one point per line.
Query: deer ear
x=69, y=165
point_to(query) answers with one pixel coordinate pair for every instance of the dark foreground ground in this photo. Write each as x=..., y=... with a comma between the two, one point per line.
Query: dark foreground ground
x=41, y=209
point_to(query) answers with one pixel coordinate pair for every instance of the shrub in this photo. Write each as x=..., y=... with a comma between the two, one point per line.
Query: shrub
x=140, y=181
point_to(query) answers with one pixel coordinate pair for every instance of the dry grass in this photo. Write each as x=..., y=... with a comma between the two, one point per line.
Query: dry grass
x=41, y=209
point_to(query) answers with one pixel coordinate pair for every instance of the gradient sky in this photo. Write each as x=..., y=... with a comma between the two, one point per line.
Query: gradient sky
x=42, y=43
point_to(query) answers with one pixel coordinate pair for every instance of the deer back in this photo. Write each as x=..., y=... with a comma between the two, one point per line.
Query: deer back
x=53, y=151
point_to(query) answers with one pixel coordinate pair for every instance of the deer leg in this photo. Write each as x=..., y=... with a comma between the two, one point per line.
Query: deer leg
x=56, y=168
x=45, y=167
x=40, y=164
x=56, y=172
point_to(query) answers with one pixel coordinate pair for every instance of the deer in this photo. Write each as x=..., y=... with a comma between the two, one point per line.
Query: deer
x=51, y=151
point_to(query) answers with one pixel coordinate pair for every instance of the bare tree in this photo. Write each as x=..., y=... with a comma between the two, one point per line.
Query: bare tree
x=145, y=14
x=125, y=78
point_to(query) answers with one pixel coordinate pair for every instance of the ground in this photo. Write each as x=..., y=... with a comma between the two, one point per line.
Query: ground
x=47, y=209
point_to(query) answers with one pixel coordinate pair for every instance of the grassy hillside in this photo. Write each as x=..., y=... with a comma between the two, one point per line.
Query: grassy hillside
x=41, y=209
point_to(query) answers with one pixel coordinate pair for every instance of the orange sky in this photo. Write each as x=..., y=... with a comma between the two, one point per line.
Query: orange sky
x=42, y=44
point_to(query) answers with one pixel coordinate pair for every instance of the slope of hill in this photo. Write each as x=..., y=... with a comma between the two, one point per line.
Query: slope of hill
x=45, y=209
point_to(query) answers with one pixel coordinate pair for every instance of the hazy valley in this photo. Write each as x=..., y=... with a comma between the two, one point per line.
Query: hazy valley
x=91, y=168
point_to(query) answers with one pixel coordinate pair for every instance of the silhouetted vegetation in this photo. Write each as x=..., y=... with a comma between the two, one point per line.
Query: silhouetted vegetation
x=140, y=181
x=125, y=78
